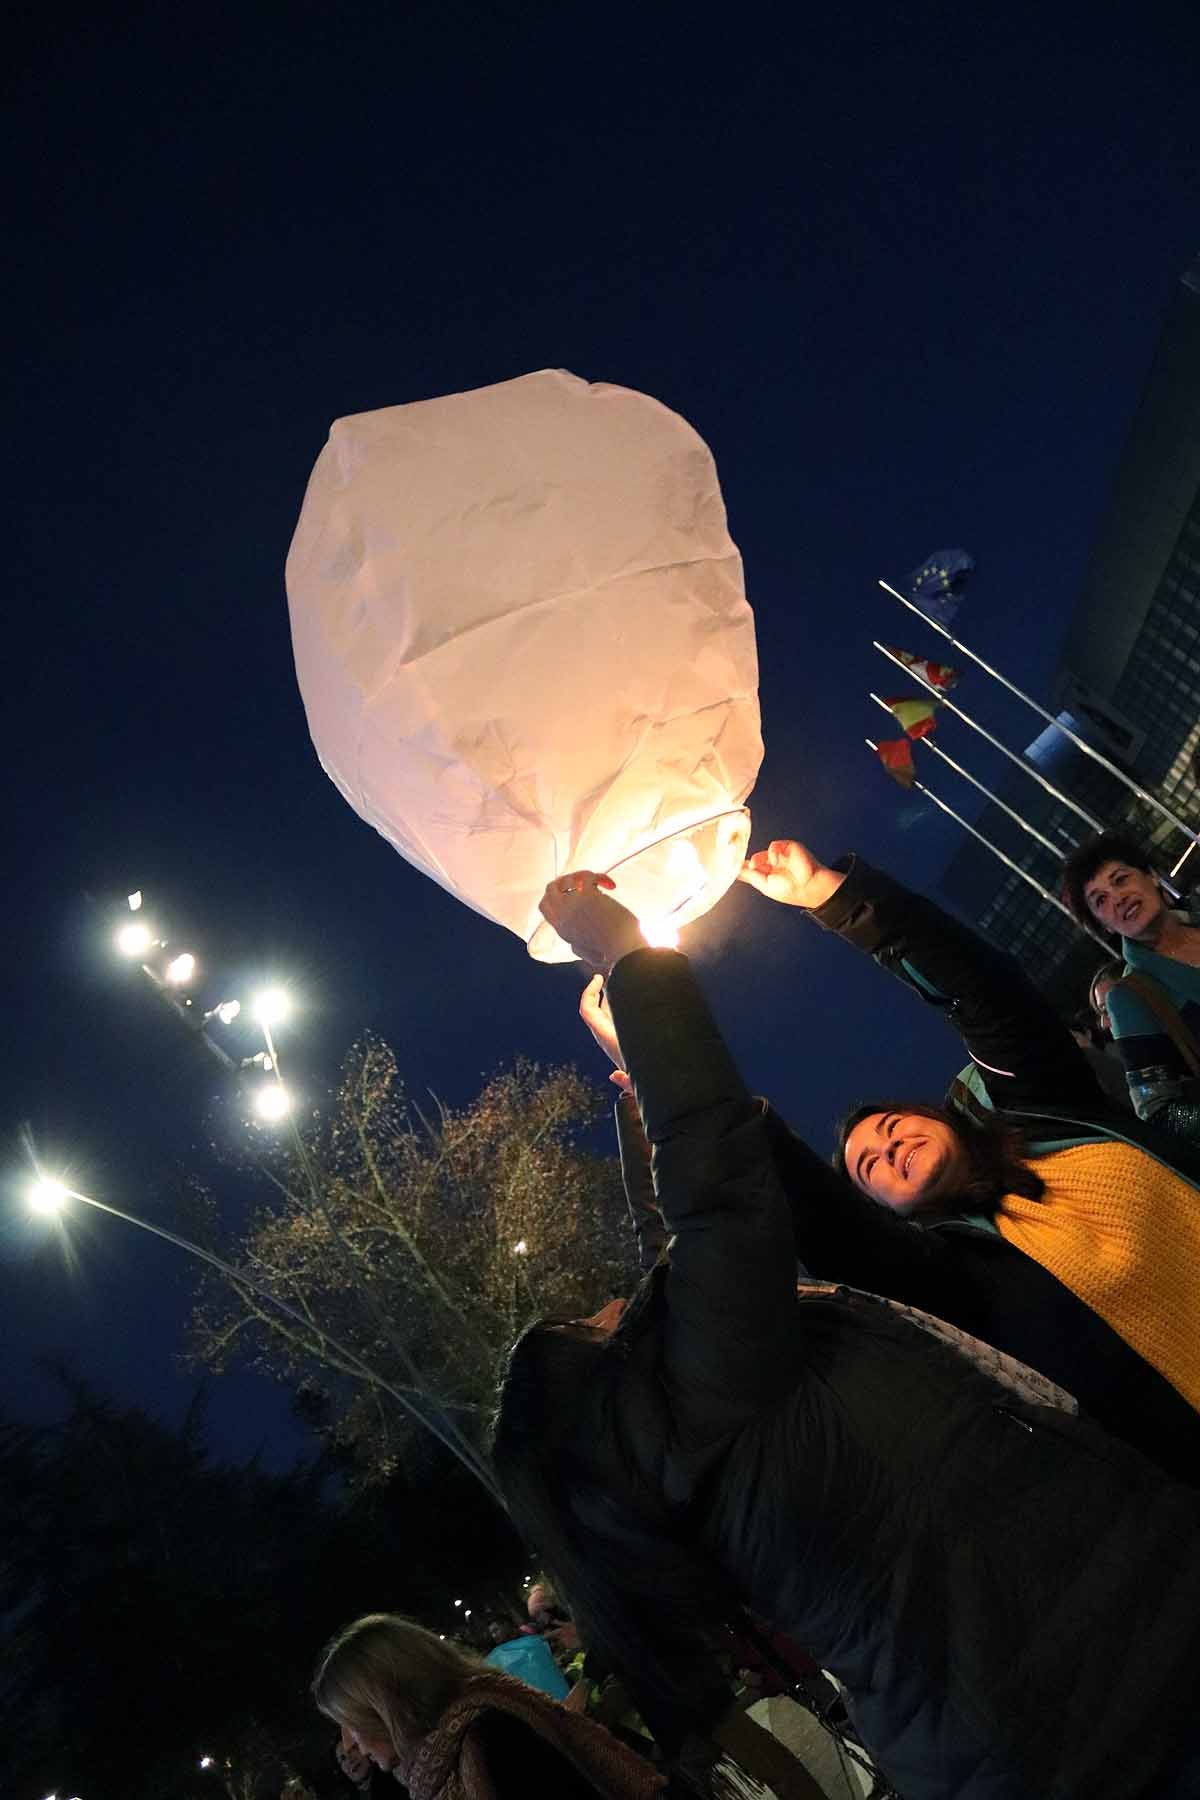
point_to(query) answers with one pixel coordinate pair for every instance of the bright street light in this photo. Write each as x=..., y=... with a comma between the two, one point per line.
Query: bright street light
x=135, y=901
x=520, y=1248
x=134, y=939
x=272, y=1101
x=46, y=1196
x=272, y=1007
x=228, y=1011
x=181, y=969
x=206, y=1762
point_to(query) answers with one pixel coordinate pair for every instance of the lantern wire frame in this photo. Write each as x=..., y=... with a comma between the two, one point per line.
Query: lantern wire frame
x=693, y=886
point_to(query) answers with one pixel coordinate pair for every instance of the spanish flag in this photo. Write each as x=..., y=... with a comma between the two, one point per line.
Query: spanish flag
x=896, y=757
x=915, y=716
x=938, y=675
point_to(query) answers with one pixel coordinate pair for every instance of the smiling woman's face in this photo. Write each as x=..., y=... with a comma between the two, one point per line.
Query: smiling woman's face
x=905, y=1161
x=1124, y=900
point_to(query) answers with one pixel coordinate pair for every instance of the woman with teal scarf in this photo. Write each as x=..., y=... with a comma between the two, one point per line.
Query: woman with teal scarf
x=1154, y=1013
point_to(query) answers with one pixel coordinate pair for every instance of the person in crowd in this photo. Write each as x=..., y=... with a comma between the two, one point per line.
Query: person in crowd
x=430, y=1714
x=1038, y=1279
x=545, y=1613
x=960, y=1550
x=1152, y=1008
x=528, y=1657
x=354, y=1764
x=1102, y=982
x=1101, y=1057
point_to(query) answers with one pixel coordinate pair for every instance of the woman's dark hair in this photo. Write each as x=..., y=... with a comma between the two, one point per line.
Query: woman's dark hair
x=1091, y=855
x=641, y=1598
x=995, y=1150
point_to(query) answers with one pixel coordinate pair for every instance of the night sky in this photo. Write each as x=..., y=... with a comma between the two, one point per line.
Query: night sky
x=901, y=265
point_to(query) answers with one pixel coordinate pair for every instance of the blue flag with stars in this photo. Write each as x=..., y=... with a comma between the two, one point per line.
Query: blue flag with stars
x=937, y=585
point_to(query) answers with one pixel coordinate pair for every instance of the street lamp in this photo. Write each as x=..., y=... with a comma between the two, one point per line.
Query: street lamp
x=180, y=969
x=272, y=1102
x=134, y=939
x=47, y=1197
x=272, y=1007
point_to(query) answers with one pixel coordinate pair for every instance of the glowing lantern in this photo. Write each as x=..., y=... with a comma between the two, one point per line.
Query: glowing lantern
x=524, y=646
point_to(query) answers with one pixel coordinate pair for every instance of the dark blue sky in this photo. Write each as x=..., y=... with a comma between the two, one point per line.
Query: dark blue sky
x=901, y=265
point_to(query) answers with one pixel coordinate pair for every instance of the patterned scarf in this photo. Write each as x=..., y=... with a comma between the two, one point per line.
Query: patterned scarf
x=450, y=1762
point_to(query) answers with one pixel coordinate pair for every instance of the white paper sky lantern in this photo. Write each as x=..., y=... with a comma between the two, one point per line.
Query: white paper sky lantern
x=524, y=646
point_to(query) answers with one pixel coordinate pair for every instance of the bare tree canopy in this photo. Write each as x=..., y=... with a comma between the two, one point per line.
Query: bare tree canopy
x=411, y=1249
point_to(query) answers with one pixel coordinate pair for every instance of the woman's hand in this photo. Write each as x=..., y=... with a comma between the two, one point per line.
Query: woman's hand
x=600, y=931
x=789, y=872
x=596, y=1014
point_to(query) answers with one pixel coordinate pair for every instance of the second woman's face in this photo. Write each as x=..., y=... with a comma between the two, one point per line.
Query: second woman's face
x=1125, y=900
x=905, y=1161
x=378, y=1748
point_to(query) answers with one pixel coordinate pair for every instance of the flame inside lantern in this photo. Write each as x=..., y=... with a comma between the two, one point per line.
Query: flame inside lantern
x=671, y=881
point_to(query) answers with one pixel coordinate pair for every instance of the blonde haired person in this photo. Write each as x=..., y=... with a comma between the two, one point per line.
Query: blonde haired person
x=435, y=1718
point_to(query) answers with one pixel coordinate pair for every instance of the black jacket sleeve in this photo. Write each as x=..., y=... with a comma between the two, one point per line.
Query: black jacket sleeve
x=730, y=1329
x=649, y=1232
x=1023, y=1050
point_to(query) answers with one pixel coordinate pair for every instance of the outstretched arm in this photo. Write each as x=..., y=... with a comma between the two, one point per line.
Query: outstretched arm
x=731, y=1343
x=1024, y=1052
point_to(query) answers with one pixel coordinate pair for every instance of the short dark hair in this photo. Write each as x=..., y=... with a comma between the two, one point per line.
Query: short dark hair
x=644, y=1598
x=1091, y=855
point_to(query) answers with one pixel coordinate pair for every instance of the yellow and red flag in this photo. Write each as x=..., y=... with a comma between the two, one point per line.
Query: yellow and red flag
x=896, y=756
x=938, y=675
x=915, y=715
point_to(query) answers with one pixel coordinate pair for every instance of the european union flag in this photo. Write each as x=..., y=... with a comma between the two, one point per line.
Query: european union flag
x=937, y=586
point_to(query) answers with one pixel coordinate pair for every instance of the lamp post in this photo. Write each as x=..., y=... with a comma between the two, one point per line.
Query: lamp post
x=48, y=1197
x=272, y=1104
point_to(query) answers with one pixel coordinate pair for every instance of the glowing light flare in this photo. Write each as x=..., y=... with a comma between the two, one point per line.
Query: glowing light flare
x=47, y=1197
x=272, y=1007
x=206, y=1762
x=135, y=901
x=272, y=1102
x=520, y=1248
x=180, y=969
x=134, y=939
x=228, y=1011
x=660, y=934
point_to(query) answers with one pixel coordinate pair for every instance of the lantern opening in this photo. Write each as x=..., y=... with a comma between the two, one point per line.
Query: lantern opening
x=671, y=881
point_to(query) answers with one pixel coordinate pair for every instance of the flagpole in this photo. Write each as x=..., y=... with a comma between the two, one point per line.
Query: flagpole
x=996, y=851
x=1054, y=849
x=1088, y=749
x=1082, y=812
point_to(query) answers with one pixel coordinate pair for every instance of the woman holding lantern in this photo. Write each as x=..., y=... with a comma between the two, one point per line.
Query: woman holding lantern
x=932, y=1521
x=1027, y=1151
x=954, y=1256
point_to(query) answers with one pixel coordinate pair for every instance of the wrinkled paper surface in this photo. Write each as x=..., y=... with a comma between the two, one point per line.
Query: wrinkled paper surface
x=523, y=644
